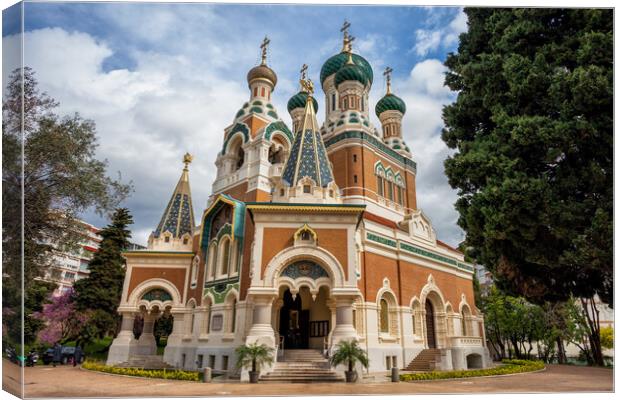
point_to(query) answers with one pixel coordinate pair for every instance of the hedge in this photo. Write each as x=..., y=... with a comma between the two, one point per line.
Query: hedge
x=144, y=373
x=508, y=367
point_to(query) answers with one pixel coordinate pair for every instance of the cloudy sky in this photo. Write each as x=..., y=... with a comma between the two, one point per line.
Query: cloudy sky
x=163, y=79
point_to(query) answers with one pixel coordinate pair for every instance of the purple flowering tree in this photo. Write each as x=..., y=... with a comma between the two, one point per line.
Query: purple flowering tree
x=62, y=321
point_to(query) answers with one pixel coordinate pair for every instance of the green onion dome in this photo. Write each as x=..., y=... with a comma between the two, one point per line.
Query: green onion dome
x=262, y=72
x=390, y=102
x=299, y=101
x=351, y=72
x=334, y=63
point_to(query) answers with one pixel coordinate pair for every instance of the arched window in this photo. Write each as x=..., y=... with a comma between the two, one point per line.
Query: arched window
x=380, y=185
x=465, y=321
x=345, y=104
x=233, y=316
x=399, y=192
x=390, y=187
x=333, y=101
x=195, y=264
x=212, y=256
x=224, y=256
x=262, y=92
x=384, y=316
x=255, y=91
x=208, y=322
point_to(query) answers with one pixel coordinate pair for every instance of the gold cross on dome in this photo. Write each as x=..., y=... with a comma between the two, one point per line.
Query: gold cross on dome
x=187, y=159
x=263, y=48
x=345, y=32
x=304, y=69
x=307, y=85
x=388, y=78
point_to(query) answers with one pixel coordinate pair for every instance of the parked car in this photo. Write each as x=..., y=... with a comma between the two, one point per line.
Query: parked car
x=67, y=355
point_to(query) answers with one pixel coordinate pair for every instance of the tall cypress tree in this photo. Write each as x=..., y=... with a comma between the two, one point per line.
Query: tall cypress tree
x=533, y=131
x=100, y=292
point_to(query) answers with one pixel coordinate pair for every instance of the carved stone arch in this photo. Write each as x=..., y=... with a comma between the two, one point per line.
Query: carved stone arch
x=387, y=318
x=311, y=253
x=239, y=129
x=449, y=308
x=379, y=169
x=191, y=303
x=135, y=298
x=208, y=297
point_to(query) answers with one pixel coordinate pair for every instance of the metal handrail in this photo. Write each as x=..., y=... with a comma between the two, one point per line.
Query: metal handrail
x=280, y=345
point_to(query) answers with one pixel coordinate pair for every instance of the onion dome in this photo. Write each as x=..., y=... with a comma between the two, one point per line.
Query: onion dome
x=299, y=101
x=351, y=72
x=262, y=72
x=390, y=102
x=334, y=63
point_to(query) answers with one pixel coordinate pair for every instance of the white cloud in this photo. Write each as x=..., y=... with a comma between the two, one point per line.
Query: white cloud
x=149, y=116
x=425, y=96
x=427, y=40
x=146, y=118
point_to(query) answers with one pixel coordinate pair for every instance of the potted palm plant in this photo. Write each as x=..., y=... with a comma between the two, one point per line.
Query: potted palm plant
x=255, y=355
x=348, y=352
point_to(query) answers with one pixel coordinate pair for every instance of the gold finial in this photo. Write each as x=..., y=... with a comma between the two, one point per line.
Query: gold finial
x=263, y=48
x=388, y=79
x=187, y=159
x=345, y=31
x=307, y=86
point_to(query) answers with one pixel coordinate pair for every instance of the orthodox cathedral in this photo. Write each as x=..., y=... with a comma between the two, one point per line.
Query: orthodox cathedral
x=311, y=236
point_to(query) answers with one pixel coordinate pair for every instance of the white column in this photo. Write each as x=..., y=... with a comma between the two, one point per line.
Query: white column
x=124, y=345
x=172, y=352
x=146, y=342
x=344, y=329
x=261, y=331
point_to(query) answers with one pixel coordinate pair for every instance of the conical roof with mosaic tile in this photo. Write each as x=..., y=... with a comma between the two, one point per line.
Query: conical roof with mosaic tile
x=178, y=218
x=308, y=157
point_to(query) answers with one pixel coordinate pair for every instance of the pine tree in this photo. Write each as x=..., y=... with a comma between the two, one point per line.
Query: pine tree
x=100, y=293
x=533, y=131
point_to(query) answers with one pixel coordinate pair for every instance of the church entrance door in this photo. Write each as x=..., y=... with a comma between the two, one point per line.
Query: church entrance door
x=430, y=325
x=294, y=322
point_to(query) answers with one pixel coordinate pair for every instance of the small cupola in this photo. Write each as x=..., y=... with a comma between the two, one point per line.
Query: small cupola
x=262, y=80
x=297, y=103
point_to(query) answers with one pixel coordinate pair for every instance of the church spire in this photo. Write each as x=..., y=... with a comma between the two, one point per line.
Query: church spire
x=178, y=218
x=308, y=158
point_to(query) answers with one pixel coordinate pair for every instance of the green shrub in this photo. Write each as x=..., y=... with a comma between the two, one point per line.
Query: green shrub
x=508, y=367
x=144, y=373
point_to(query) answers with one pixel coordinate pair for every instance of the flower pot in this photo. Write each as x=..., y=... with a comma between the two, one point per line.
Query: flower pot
x=351, y=376
x=254, y=376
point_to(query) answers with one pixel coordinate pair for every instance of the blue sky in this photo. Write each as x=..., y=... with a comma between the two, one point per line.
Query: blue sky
x=162, y=79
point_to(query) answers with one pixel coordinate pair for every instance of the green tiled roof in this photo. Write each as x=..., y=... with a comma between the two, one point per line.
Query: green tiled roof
x=334, y=63
x=351, y=72
x=299, y=101
x=390, y=102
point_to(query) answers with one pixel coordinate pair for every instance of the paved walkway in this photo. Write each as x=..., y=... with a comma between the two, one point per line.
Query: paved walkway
x=64, y=381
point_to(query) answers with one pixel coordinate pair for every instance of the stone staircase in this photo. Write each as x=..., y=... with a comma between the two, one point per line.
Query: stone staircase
x=145, y=362
x=302, y=366
x=425, y=361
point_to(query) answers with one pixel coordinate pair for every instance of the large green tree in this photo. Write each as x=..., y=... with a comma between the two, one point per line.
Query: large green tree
x=99, y=294
x=50, y=174
x=532, y=127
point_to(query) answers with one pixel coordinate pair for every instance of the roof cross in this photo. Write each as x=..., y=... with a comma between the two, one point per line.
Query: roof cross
x=304, y=69
x=345, y=30
x=388, y=78
x=263, y=47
